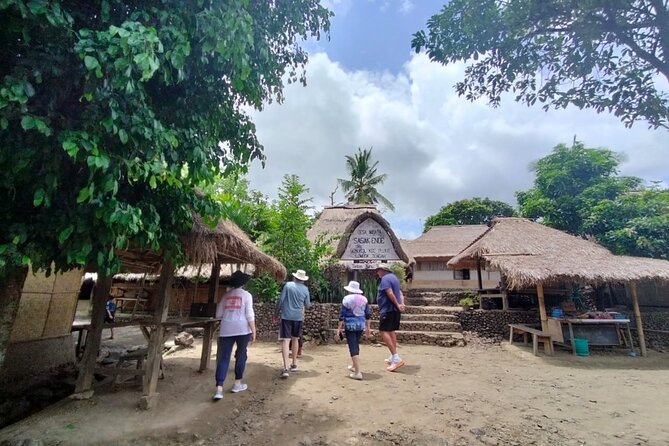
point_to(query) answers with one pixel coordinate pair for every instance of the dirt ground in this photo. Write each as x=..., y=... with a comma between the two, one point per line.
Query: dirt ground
x=481, y=394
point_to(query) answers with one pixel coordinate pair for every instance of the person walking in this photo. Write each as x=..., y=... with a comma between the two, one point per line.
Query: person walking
x=292, y=303
x=238, y=327
x=354, y=317
x=391, y=306
x=110, y=314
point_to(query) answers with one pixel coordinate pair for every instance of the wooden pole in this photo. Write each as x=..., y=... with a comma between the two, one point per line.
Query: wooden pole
x=83, y=388
x=154, y=355
x=637, y=317
x=214, y=279
x=478, y=273
x=542, y=306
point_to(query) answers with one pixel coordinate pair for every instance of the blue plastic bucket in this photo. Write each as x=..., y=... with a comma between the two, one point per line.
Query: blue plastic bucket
x=581, y=346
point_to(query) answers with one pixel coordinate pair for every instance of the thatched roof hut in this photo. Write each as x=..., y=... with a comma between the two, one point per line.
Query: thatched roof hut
x=204, y=245
x=528, y=253
x=338, y=223
x=443, y=242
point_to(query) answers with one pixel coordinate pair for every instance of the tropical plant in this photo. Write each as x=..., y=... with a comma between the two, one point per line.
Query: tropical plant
x=361, y=187
x=599, y=54
x=471, y=211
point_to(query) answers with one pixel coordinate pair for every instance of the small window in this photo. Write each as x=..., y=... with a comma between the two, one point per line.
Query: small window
x=461, y=274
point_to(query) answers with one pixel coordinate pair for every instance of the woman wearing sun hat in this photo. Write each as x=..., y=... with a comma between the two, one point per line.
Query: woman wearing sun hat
x=354, y=317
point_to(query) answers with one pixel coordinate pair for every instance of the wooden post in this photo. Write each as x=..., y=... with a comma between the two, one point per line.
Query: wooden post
x=637, y=317
x=206, y=346
x=213, y=284
x=478, y=272
x=155, y=351
x=542, y=306
x=83, y=388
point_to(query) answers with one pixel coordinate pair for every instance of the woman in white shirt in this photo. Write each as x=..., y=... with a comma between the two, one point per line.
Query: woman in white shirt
x=235, y=311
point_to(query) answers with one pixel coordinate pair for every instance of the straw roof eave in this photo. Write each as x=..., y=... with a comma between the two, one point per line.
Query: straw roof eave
x=527, y=253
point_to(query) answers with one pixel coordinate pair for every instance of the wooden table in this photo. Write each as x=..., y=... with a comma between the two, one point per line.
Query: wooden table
x=602, y=332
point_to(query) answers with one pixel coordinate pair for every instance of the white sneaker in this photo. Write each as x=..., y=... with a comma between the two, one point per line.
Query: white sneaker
x=351, y=368
x=239, y=388
x=218, y=395
x=356, y=376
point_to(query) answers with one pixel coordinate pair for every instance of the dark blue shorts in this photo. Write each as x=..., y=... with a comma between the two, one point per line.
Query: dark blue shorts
x=290, y=329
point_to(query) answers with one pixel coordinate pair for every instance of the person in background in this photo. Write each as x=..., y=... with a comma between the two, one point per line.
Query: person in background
x=354, y=317
x=238, y=327
x=292, y=303
x=110, y=314
x=391, y=306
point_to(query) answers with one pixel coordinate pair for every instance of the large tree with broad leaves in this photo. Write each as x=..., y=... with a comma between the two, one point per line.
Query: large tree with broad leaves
x=608, y=55
x=111, y=113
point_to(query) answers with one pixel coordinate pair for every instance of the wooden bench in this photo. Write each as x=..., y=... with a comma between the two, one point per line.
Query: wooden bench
x=537, y=336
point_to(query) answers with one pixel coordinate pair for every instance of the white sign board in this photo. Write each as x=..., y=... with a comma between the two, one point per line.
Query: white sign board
x=369, y=242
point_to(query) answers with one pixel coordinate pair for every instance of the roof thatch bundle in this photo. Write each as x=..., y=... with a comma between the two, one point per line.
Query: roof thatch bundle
x=337, y=223
x=443, y=242
x=227, y=242
x=527, y=253
x=204, y=245
x=200, y=273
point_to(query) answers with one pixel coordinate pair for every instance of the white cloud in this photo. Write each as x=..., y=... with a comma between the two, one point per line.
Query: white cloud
x=435, y=146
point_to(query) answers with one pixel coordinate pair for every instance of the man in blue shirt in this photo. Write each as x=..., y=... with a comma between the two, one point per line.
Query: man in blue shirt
x=391, y=306
x=294, y=299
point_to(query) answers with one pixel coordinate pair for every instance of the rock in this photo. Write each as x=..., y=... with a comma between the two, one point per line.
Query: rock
x=184, y=338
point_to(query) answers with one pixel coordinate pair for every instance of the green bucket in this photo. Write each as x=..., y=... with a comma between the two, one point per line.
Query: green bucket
x=581, y=346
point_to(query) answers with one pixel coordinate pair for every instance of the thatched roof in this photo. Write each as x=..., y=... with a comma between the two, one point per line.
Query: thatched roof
x=443, y=242
x=203, y=245
x=337, y=223
x=188, y=273
x=527, y=253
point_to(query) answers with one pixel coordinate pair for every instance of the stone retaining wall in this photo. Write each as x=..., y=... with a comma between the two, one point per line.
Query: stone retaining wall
x=495, y=323
x=654, y=320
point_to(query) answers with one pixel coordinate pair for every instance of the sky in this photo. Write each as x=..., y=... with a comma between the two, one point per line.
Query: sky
x=367, y=88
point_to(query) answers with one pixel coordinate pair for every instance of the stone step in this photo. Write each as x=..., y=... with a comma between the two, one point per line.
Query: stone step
x=429, y=317
x=440, y=338
x=433, y=301
x=432, y=309
x=418, y=325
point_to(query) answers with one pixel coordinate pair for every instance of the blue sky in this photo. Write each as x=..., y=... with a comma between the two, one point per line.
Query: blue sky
x=366, y=88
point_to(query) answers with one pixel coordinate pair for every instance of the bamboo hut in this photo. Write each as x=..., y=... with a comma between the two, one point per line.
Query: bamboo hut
x=529, y=254
x=432, y=251
x=360, y=238
x=225, y=243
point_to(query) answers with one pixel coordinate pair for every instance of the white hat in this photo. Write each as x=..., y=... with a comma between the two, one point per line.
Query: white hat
x=383, y=266
x=300, y=274
x=353, y=287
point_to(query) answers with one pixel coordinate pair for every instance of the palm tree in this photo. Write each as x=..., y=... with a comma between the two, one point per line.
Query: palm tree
x=361, y=188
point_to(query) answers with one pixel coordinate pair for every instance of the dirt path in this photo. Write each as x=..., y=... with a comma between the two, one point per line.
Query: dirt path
x=479, y=394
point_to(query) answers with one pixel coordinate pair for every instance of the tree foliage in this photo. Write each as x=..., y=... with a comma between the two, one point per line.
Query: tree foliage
x=607, y=55
x=576, y=190
x=112, y=111
x=286, y=234
x=569, y=182
x=361, y=187
x=248, y=208
x=471, y=211
x=635, y=223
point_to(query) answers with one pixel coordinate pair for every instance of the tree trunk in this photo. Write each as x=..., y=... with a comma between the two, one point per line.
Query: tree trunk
x=11, y=284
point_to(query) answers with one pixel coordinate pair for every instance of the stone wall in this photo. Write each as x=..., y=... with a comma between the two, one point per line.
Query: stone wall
x=317, y=321
x=495, y=323
x=654, y=320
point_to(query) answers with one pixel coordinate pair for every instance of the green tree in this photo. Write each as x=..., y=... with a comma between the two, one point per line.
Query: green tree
x=286, y=234
x=112, y=111
x=569, y=182
x=249, y=209
x=361, y=188
x=471, y=211
x=634, y=223
x=599, y=54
